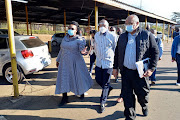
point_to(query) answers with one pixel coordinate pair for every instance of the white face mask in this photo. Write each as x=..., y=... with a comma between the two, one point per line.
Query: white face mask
x=102, y=29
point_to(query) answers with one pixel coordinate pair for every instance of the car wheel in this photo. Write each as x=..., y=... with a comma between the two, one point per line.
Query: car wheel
x=7, y=73
x=54, y=43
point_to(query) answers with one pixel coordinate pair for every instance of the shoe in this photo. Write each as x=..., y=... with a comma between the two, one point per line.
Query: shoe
x=119, y=100
x=145, y=112
x=110, y=88
x=152, y=83
x=82, y=97
x=178, y=84
x=116, y=80
x=102, y=108
x=63, y=101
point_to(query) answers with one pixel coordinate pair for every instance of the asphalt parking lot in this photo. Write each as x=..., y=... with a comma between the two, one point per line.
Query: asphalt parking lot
x=40, y=103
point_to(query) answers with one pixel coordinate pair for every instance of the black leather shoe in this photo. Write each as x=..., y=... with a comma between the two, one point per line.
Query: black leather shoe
x=102, y=108
x=63, y=101
x=145, y=112
x=116, y=80
x=82, y=97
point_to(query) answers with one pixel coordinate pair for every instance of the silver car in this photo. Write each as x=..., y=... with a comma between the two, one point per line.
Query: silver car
x=31, y=53
x=57, y=39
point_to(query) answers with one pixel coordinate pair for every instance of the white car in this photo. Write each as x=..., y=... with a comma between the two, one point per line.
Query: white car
x=31, y=53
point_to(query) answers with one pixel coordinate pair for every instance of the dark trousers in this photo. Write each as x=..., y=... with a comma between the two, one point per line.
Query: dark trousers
x=103, y=77
x=178, y=67
x=131, y=85
x=153, y=76
x=92, y=60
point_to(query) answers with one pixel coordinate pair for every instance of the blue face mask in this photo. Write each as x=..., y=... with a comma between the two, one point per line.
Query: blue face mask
x=71, y=32
x=129, y=28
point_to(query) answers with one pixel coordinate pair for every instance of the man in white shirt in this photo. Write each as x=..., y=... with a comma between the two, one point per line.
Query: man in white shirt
x=105, y=44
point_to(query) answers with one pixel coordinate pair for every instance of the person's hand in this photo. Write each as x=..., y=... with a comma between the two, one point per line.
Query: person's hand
x=148, y=73
x=173, y=59
x=84, y=51
x=57, y=64
x=115, y=73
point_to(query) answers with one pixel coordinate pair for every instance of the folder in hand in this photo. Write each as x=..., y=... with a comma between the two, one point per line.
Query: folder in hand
x=142, y=66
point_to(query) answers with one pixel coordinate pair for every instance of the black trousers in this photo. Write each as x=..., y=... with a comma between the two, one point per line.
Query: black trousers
x=133, y=85
x=103, y=77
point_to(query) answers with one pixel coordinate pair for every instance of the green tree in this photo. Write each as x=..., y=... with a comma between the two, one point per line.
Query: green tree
x=159, y=28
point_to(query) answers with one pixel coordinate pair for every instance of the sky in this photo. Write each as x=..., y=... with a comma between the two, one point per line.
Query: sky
x=163, y=8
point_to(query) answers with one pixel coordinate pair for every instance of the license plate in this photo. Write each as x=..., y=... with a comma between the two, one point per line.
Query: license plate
x=44, y=62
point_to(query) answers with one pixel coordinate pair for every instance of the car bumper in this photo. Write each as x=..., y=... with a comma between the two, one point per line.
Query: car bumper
x=33, y=65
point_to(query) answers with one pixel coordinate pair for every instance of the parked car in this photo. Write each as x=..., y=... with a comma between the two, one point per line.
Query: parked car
x=159, y=35
x=5, y=32
x=31, y=53
x=57, y=39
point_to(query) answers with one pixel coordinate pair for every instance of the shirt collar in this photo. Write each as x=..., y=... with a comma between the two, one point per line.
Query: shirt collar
x=134, y=35
x=103, y=33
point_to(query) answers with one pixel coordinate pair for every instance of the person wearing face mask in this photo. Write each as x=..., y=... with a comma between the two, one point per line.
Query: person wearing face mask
x=135, y=45
x=160, y=47
x=119, y=31
x=73, y=75
x=176, y=32
x=105, y=44
x=91, y=52
x=112, y=29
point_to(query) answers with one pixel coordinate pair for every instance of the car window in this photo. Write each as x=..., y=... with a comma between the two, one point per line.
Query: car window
x=3, y=43
x=159, y=33
x=30, y=43
x=60, y=35
x=5, y=32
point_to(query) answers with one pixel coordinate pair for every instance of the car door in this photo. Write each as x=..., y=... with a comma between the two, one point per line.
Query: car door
x=4, y=53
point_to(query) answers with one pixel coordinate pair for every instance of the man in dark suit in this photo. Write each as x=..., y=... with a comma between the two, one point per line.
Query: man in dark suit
x=135, y=45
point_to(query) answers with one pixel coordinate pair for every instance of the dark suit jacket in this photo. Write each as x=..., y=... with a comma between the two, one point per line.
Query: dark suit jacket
x=146, y=46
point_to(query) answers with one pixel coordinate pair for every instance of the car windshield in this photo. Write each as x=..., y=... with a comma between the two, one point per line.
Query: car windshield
x=30, y=43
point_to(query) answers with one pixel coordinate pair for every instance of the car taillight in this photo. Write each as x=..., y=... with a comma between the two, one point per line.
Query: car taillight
x=32, y=37
x=27, y=53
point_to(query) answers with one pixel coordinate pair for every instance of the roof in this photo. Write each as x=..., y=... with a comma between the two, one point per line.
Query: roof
x=52, y=11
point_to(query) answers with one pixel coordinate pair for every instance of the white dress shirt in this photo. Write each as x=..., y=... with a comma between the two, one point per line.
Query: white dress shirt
x=105, y=45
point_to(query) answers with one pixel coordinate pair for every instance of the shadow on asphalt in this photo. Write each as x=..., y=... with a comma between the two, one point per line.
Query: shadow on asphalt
x=51, y=102
x=3, y=81
x=26, y=117
x=116, y=115
x=166, y=89
x=48, y=75
x=163, y=70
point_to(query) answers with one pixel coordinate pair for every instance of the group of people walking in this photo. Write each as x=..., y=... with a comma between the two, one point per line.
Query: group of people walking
x=113, y=54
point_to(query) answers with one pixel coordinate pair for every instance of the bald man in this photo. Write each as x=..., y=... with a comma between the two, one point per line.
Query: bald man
x=135, y=45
